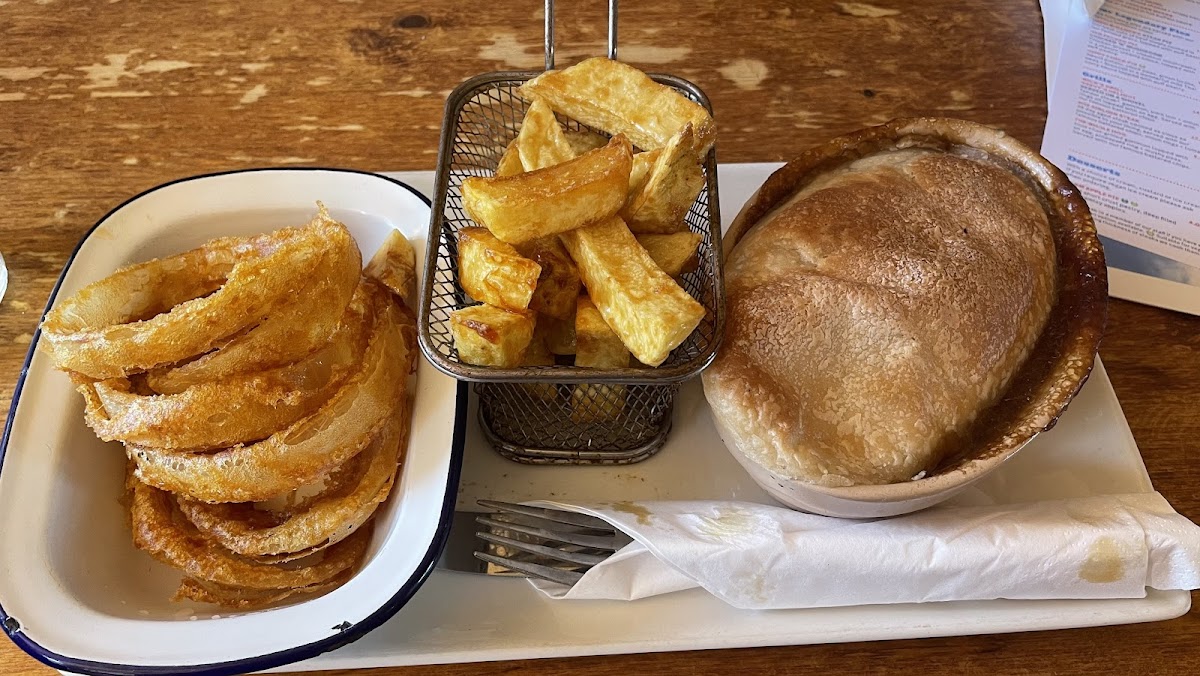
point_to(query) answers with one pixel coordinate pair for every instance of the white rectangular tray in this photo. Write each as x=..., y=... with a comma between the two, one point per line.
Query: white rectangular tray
x=460, y=617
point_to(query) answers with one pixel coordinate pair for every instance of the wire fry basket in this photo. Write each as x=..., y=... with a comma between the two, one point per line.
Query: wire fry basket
x=557, y=414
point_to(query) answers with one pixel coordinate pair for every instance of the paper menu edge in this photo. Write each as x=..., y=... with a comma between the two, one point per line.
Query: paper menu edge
x=1153, y=291
x=1054, y=19
x=1055, y=16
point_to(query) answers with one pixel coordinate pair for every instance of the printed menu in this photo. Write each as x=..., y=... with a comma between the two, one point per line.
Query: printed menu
x=1124, y=124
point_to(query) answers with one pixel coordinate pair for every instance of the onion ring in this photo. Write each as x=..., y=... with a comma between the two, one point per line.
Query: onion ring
x=309, y=448
x=233, y=410
x=167, y=310
x=320, y=522
x=241, y=598
x=164, y=534
x=395, y=265
x=286, y=334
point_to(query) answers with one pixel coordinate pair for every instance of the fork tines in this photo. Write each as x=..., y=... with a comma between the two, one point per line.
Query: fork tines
x=550, y=544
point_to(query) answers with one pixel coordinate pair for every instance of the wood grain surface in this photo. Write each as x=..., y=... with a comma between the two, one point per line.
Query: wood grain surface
x=100, y=100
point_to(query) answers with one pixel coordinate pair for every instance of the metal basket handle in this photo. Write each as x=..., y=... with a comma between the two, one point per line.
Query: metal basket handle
x=612, y=32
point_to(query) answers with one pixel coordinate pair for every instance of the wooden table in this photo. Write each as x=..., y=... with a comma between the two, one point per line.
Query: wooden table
x=100, y=100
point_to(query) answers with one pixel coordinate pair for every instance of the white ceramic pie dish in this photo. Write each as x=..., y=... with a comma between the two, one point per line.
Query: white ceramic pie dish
x=74, y=592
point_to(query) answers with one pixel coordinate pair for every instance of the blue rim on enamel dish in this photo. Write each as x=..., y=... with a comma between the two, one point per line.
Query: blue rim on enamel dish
x=345, y=635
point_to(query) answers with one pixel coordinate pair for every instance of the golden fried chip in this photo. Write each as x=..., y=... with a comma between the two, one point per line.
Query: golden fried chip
x=597, y=346
x=559, y=333
x=510, y=161
x=675, y=254
x=493, y=272
x=488, y=336
x=640, y=171
x=556, y=199
x=660, y=204
x=541, y=142
x=596, y=403
x=582, y=140
x=621, y=99
x=558, y=284
x=649, y=311
x=537, y=354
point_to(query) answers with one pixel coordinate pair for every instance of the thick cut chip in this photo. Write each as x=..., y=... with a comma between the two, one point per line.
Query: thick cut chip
x=660, y=204
x=558, y=284
x=597, y=403
x=597, y=346
x=488, y=336
x=510, y=161
x=621, y=99
x=649, y=311
x=582, y=140
x=553, y=200
x=541, y=142
x=537, y=354
x=493, y=272
x=559, y=333
x=675, y=254
x=395, y=265
x=640, y=171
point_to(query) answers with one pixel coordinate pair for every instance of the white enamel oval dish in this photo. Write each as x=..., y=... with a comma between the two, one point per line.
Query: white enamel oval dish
x=73, y=590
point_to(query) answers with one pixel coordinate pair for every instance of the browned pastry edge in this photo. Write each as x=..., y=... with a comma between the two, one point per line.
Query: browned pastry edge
x=1064, y=355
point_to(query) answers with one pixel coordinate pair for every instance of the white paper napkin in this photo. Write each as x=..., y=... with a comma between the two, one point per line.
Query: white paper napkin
x=758, y=556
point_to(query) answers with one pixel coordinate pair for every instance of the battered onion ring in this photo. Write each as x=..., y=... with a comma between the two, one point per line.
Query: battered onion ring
x=308, y=449
x=233, y=410
x=141, y=317
x=240, y=598
x=164, y=534
x=324, y=521
x=395, y=265
x=287, y=333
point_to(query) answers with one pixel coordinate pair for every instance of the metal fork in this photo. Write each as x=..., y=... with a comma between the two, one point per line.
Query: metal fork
x=549, y=544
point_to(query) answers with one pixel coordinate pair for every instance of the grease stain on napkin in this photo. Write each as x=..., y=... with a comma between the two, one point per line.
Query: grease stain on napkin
x=1104, y=563
x=727, y=526
x=633, y=509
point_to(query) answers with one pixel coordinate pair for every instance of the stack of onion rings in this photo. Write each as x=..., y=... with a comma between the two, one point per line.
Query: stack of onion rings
x=233, y=409
x=293, y=331
x=314, y=524
x=261, y=388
